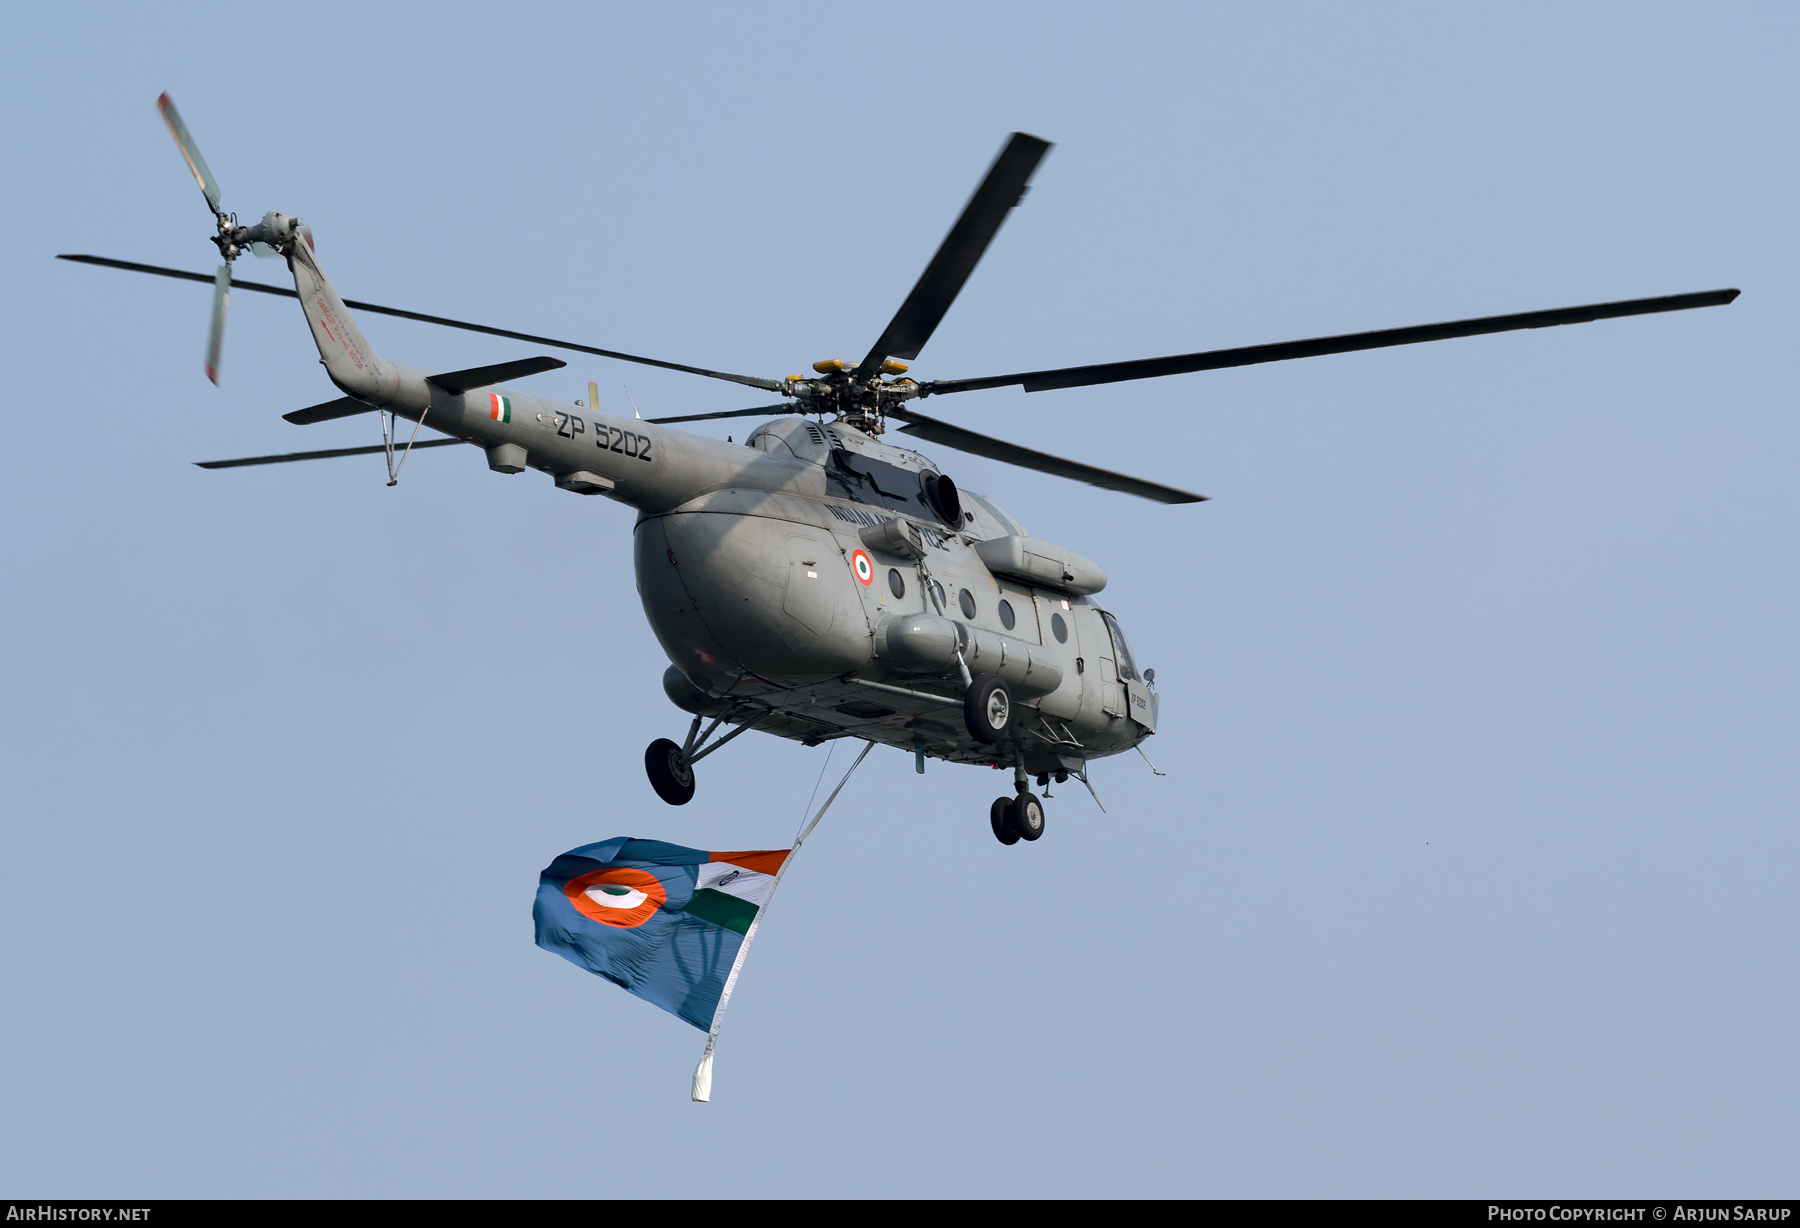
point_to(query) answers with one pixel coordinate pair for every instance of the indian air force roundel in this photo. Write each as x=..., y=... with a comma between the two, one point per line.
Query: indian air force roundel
x=658, y=920
x=863, y=567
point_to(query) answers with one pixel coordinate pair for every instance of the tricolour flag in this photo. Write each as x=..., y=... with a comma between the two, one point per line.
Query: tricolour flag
x=499, y=407
x=661, y=921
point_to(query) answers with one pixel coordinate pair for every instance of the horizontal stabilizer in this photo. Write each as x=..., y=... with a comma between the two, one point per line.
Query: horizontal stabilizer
x=343, y=407
x=327, y=454
x=500, y=372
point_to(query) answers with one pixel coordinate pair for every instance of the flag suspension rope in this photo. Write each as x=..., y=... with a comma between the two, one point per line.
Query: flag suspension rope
x=703, y=1072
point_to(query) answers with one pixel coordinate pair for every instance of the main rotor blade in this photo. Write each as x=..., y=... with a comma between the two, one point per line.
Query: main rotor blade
x=327, y=454
x=1213, y=360
x=943, y=278
x=729, y=413
x=215, y=334
x=203, y=175
x=1000, y=450
x=182, y=275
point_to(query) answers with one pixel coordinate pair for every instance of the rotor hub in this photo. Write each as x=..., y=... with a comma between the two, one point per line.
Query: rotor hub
x=276, y=234
x=858, y=402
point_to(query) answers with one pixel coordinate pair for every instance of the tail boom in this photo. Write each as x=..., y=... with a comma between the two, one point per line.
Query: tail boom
x=350, y=362
x=645, y=465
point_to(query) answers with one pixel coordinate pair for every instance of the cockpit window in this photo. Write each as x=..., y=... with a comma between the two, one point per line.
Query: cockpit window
x=1121, y=650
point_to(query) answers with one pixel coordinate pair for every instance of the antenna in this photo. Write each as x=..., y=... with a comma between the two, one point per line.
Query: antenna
x=634, y=408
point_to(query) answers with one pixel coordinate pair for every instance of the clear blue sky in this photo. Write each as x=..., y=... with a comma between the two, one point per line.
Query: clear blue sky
x=1473, y=870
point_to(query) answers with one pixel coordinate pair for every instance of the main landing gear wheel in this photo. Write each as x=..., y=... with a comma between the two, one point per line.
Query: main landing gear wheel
x=1026, y=816
x=672, y=779
x=988, y=709
x=1000, y=817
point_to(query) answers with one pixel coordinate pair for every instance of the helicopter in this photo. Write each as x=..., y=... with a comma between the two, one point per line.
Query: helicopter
x=819, y=580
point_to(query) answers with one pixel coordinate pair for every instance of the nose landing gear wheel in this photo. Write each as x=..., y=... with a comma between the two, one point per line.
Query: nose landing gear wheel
x=1026, y=816
x=1000, y=817
x=672, y=779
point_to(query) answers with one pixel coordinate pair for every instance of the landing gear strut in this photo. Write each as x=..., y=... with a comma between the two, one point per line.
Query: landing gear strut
x=671, y=767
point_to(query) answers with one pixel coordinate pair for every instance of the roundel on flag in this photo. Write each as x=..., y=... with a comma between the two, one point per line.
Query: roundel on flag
x=864, y=568
x=620, y=896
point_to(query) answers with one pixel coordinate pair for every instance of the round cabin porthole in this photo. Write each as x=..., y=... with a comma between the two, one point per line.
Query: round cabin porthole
x=1059, y=628
x=1006, y=615
x=966, y=600
x=896, y=582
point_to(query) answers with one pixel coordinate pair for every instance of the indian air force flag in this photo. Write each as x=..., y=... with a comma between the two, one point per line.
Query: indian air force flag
x=665, y=922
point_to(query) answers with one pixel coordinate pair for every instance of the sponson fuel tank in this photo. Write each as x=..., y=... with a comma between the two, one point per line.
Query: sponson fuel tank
x=928, y=643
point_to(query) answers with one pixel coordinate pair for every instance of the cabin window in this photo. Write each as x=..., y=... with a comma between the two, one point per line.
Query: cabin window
x=1059, y=628
x=966, y=600
x=1006, y=615
x=896, y=582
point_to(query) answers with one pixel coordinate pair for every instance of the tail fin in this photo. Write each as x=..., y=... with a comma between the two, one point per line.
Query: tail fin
x=352, y=365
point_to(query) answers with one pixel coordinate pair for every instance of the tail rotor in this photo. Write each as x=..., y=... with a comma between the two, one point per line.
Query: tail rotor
x=215, y=334
x=273, y=236
x=209, y=188
x=165, y=106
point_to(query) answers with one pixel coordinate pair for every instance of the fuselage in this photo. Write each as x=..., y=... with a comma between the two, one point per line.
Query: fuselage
x=779, y=598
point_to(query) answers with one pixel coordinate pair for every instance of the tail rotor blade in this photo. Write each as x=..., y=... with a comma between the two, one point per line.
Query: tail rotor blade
x=203, y=175
x=215, y=337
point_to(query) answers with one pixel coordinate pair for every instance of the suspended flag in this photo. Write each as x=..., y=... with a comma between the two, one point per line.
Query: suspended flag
x=664, y=922
x=669, y=924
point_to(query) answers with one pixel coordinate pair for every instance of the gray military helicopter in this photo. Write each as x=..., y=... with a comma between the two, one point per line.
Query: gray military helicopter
x=817, y=581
